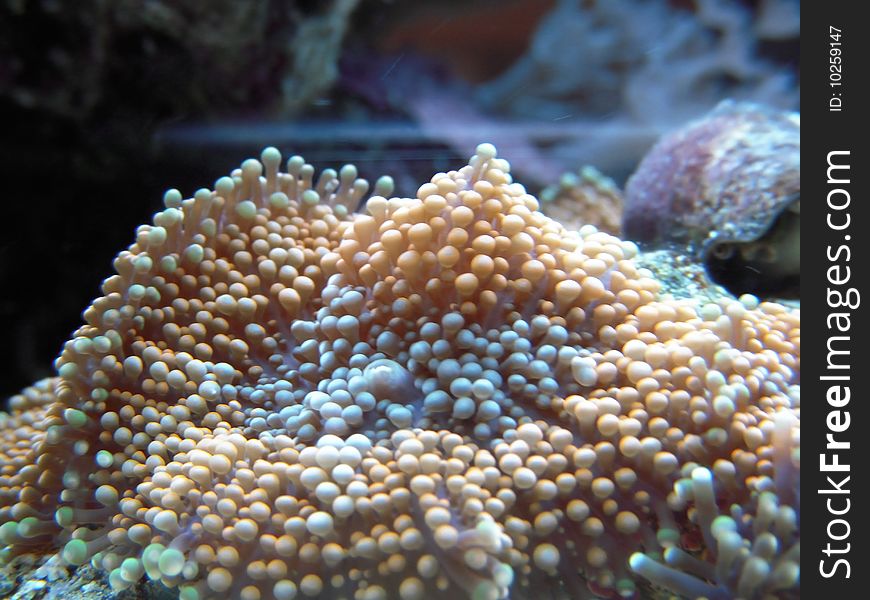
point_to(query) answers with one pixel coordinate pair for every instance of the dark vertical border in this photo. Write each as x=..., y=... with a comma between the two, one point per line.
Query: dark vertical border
x=835, y=109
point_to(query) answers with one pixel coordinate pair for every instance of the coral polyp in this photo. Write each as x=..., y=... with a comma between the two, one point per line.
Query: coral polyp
x=276, y=396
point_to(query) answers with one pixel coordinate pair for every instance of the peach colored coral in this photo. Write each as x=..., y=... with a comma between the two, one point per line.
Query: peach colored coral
x=277, y=397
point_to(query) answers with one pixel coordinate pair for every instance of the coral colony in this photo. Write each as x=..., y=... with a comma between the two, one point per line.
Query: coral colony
x=448, y=395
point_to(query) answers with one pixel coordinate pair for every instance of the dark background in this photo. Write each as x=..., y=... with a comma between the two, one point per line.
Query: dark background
x=824, y=132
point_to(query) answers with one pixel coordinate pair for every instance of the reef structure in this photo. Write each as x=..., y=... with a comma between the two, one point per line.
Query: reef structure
x=279, y=397
x=726, y=190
